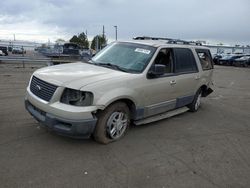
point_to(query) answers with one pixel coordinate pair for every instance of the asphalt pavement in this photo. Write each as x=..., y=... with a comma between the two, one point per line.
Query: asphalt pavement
x=209, y=148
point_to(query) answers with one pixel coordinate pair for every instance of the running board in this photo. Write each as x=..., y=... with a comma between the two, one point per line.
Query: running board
x=161, y=116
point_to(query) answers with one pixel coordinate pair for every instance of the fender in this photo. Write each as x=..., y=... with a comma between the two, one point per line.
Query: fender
x=115, y=95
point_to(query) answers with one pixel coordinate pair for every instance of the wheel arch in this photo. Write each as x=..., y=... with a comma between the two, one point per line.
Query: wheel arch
x=128, y=101
x=205, y=90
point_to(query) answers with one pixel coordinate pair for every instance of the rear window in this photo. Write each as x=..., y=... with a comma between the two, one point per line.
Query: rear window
x=205, y=59
x=184, y=61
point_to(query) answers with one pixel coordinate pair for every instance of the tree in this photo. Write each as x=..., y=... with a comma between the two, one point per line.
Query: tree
x=81, y=40
x=101, y=40
x=74, y=39
x=59, y=41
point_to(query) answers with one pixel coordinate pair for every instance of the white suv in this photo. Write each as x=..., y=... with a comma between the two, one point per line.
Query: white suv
x=137, y=81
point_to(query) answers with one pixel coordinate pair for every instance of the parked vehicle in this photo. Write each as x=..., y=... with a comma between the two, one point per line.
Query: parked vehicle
x=216, y=58
x=71, y=48
x=139, y=81
x=4, y=50
x=229, y=59
x=10, y=48
x=243, y=61
x=1, y=53
x=18, y=50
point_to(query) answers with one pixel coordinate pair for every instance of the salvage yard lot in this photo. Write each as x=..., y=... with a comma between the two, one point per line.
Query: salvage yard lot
x=210, y=148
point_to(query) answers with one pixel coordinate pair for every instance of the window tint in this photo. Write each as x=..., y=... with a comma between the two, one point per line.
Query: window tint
x=205, y=59
x=184, y=61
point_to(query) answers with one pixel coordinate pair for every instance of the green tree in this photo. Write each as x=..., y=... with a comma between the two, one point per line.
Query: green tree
x=81, y=40
x=74, y=39
x=59, y=41
x=102, y=41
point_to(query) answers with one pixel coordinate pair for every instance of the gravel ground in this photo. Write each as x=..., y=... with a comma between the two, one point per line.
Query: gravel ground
x=210, y=148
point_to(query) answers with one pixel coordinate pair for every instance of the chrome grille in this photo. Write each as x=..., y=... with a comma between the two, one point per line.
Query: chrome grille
x=42, y=89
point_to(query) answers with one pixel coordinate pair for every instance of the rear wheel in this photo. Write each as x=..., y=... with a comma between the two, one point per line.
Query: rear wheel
x=112, y=123
x=194, y=106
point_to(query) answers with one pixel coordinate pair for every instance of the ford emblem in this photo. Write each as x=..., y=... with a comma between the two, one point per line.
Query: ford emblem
x=38, y=88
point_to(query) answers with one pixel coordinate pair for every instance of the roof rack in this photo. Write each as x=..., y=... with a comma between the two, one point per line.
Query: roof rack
x=169, y=40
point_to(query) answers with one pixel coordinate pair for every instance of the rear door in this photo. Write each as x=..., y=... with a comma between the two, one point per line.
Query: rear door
x=187, y=76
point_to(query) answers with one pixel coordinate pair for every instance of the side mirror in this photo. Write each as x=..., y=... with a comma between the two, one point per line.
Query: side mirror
x=156, y=70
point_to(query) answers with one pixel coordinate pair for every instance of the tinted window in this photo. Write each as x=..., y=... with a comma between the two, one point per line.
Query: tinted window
x=184, y=61
x=205, y=59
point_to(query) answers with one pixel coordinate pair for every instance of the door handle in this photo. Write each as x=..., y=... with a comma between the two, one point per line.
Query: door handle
x=197, y=77
x=173, y=82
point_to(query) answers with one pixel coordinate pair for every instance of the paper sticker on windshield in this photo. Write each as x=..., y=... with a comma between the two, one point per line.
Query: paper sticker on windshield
x=141, y=50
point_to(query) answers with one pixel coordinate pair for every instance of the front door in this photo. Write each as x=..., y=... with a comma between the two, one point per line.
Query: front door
x=159, y=91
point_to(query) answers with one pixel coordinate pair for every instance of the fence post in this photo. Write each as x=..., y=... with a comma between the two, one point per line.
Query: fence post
x=23, y=56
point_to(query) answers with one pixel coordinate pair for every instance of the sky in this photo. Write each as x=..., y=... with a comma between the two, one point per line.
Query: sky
x=216, y=21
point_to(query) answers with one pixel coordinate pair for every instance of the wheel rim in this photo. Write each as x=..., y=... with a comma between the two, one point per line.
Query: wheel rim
x=198, y=102
x=117, y=124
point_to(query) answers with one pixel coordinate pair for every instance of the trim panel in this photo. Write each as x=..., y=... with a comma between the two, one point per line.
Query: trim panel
x=183, y=101
x=160, y=107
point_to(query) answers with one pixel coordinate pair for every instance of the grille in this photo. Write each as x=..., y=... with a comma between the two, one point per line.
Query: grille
x=42, y=89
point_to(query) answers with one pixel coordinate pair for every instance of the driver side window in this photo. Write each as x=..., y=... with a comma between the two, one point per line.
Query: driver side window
x=165, y=57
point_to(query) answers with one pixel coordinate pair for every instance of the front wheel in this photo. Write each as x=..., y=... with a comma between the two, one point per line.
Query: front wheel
x=194, y=106
x=112, y=123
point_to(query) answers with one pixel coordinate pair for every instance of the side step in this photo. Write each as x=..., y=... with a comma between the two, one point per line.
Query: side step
x=162, y=116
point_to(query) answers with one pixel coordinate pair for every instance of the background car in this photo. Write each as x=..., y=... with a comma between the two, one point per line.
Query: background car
x=4, y=50
x=243, y=61
x=1, y=53
x=216, y=58
x=18, y=50
x=10, y=48
x=229, y=59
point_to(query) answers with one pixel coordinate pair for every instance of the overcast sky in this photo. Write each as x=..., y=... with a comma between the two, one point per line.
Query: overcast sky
x=226, y=21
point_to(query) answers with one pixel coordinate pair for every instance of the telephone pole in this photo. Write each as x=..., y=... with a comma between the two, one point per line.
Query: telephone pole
x=115, y=26
x=103, y=31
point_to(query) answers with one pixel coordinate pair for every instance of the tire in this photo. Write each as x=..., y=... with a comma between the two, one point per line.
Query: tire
x=194, y=106
x=245, y=65
x=112, y=123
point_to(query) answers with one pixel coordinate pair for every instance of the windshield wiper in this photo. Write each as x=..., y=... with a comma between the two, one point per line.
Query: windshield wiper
x=109, y=65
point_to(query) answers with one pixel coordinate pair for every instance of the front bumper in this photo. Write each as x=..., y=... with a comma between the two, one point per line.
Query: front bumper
x=80, y=128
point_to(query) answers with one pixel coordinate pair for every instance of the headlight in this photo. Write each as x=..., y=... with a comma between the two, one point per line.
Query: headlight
x=76, y=97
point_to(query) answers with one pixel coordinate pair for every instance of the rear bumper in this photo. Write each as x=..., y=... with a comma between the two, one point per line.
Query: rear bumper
x=81, y=128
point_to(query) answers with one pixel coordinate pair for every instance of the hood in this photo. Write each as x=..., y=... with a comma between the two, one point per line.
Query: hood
x=76, y=75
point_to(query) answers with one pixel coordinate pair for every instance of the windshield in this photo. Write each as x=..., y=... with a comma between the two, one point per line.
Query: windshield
x=129, y=57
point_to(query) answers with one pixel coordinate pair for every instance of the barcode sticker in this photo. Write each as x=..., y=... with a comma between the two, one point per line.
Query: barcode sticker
x=141, y=50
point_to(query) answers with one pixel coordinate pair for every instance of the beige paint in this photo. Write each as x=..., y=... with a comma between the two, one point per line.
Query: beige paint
x=109, y=85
